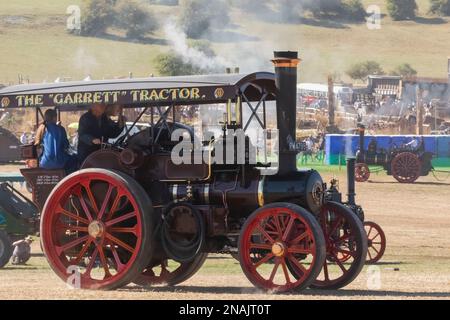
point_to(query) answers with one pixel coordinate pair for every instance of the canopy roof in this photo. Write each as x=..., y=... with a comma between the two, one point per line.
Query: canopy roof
x=132, y=92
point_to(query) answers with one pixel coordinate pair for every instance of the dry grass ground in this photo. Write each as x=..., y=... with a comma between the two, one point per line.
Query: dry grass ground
x=416, y=219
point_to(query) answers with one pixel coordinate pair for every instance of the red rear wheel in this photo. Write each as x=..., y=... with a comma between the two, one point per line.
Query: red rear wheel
x=278, y=235
x=362, y=172
x=170, y=272
x=376, y=242
x=346, y=246
x=406, y=167
x=98, y=222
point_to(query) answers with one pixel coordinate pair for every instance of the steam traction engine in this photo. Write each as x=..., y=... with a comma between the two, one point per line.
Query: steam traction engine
x=406, y=163
x=130, y=214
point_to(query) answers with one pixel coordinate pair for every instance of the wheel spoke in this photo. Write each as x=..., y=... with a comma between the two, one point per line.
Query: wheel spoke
x=85, y=207
x=325, y=271
x=119, y=264
x=91, y=263
x=375, y=237
x=285, y=271
x=120, y=219
x=71, y=228
x=277, y=224
x=105, y=202
x=346, y=252
x=91, y=197
x=300, y=250
x=265, y=234
x=274, y=271
x=104, y=261
x=375, y=250
x=83, y=251
x=368, y=252
x=71, y=215
x=119, y=242
x=266, y=258
x=114, y=205
x=261, y=246
x=288, y=228
x=67, y=246
x=339, y=263
x=299, y=266
x=132, y=230
x=299, y=238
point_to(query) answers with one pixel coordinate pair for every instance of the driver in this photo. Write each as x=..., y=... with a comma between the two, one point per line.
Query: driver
x=96, y=127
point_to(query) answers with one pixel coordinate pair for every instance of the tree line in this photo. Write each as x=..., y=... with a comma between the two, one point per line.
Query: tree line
x=196, y=18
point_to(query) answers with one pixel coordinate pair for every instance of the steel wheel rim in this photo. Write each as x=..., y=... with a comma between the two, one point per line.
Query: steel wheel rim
x=342, y=250
x=376, y=242
x=99, y=229
x=362, y=172
x=273, y=234
x=406, y=167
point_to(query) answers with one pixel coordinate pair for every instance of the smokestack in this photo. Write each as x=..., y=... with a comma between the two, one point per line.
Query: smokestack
x=360, y=153
x=361, y=129
x=331, y=101
x=351, y=180
x=286, y=63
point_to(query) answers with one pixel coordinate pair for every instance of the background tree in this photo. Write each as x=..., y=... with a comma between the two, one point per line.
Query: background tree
x=441, y=7
x=345, y=9
x=199, y=16
x=133, y=17
x=173, y=64
x=404, y=70
x=353, y=10
x=97, y=16
x=360, y=71
x=402, y=9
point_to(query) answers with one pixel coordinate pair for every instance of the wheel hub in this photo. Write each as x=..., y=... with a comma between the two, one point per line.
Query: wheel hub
x=278, y=249
x=96, y=229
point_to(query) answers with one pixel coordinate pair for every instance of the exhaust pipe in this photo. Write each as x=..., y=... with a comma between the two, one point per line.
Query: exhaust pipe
x=362, y=132
x=351, y=180
x=286, y=63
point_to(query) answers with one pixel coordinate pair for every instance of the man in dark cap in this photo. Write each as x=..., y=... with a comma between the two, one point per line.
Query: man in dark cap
x=96, y=127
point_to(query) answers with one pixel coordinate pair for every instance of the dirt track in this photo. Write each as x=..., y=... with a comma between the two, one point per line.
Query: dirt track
x=416, y=219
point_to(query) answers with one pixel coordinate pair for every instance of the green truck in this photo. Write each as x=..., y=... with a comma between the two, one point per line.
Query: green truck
x=18, y=218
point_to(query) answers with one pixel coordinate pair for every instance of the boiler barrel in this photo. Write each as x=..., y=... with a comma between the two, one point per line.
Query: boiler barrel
x=303, y=188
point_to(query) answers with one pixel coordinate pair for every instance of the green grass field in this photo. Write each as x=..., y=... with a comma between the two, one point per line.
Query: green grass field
x=34, y=43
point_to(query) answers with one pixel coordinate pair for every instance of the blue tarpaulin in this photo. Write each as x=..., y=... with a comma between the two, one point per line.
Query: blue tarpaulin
x=339, y=146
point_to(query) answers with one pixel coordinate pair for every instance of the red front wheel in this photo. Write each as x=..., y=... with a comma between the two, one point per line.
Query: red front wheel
x=346, y=246
x=276, y=236
x=376, y=242
x=96, y=229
